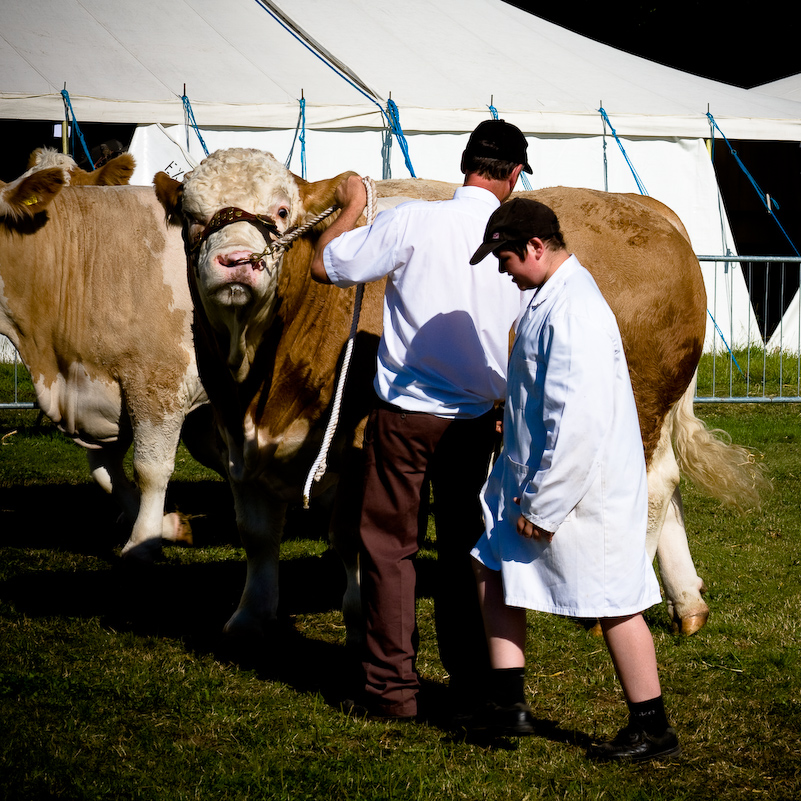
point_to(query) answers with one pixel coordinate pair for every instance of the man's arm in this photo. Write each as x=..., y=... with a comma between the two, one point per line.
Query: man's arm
x=351, y=197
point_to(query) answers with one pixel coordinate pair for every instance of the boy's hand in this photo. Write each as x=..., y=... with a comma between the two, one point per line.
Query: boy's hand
x=525, y=528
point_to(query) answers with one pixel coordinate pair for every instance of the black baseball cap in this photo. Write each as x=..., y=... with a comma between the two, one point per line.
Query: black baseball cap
x=497, y=139
x=517, y=220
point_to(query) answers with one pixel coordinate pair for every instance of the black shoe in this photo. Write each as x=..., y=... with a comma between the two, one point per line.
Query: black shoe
x=634, y=745
x=502, y=721
x=361, y=711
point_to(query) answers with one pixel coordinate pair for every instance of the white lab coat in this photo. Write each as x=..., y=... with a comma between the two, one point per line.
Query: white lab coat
x=573, y=455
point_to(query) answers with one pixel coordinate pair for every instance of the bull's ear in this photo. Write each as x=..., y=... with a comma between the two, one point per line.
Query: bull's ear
x=33, y=159
x=169, y=192
x=31, y=194
x=79, y=177
x=317, y=197
x=117, y=171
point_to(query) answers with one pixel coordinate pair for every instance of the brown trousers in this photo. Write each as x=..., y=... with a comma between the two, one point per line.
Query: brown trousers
x=403, y=452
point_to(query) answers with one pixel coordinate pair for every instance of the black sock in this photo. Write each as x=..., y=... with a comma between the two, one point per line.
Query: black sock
x=649, y=716
x=507, y=686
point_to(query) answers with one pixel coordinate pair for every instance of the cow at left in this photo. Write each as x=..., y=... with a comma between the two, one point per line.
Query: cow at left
x=93, y=294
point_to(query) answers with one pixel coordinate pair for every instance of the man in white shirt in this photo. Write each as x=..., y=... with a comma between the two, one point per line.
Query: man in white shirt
x=441, y=373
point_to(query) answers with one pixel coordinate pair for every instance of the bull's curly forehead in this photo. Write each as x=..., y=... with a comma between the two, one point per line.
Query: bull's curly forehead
x=250, y=179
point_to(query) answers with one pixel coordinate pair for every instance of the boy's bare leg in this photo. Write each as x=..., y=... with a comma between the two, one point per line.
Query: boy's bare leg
x=507, y=714
x=631, y=647
x=505, y=626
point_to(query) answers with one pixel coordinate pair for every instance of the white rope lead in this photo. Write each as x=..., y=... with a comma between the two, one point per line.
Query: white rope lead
x=320, y=465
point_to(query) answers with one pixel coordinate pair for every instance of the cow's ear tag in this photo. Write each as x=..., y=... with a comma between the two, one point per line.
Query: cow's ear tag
x=31, y=201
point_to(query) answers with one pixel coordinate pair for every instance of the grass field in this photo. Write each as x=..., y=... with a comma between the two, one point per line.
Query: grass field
x=116, y=684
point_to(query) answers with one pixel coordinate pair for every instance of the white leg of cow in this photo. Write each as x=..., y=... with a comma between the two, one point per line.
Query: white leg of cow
x=106, y=467
x=153, y=464
x=663, y=478
x=683, y=587
x=260, y=520
x=667, y=539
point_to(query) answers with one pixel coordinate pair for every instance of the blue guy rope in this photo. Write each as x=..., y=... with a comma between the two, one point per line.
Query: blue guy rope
x=393, y=117
x=390, y=116
x=639, y=183
x=190, y=121
x=523, y=177
x=723, y=339
x=762, y=195
x=300, y=135
x=65, y=94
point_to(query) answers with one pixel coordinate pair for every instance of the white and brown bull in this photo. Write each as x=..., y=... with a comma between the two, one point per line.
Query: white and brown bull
x=269, y=342
x=93, y=295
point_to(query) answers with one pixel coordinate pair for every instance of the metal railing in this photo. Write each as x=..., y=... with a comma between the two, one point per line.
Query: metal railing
x=16, y=403
x=754, y=356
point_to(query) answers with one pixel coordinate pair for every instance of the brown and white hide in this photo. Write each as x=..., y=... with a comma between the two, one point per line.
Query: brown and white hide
x=93, y=295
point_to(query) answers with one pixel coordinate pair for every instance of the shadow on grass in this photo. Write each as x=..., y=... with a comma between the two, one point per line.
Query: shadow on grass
x=191, y=602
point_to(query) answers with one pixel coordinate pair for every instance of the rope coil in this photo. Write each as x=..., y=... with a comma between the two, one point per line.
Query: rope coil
x=320, y=465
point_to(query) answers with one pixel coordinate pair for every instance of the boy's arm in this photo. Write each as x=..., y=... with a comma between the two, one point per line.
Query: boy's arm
x=578, y=406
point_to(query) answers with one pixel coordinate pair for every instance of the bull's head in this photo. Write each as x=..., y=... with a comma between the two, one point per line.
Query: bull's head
x=232, y=206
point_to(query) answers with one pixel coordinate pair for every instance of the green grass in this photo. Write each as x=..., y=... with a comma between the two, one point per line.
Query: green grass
x=116, y=684
x=749, y=373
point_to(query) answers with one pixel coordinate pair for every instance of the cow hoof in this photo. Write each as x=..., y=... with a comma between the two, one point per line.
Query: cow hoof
x=690, y=624
x=177, y=529
x=144, y=553
x=244, y=627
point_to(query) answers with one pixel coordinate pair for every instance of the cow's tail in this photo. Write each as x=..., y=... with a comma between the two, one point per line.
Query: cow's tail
x=730, y=473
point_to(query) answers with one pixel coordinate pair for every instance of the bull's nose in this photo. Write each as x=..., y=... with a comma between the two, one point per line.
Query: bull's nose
x=238, y=259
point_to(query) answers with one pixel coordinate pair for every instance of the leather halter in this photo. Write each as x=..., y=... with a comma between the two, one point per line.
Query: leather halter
x=230, y=215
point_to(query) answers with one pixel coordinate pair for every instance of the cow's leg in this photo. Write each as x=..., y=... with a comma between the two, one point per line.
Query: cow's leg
x=260, y=520
x=344, y=538
x=667, y=539
x=106, y=467
x=663, y=478
x=683, y=587
x=153, y=464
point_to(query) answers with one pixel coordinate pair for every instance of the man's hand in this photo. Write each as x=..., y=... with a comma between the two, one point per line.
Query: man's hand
x=351, y=197
x=351, y=193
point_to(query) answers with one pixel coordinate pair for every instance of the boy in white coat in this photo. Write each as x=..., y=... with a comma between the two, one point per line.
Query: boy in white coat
x=566, y=503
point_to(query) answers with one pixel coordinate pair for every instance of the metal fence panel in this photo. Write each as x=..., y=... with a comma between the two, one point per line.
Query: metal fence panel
x=760, y=363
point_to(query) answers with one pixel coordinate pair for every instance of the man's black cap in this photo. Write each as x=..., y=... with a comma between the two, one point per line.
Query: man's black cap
x=517, y=220
x=497, y=139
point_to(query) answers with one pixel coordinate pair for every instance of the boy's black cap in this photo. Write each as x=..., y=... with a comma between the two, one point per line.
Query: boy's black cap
x=497, y=139
x=517, y=220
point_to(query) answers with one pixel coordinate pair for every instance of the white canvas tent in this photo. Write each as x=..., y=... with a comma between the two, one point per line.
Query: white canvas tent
x=787, y=336
x=788, y=88
x=244, y=65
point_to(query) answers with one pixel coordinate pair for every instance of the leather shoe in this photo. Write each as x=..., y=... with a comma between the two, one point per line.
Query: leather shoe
x=502, y=721
x=361, y=711
x=632, y=744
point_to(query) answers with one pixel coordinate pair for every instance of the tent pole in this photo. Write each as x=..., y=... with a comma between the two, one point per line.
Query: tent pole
x=65, y=129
